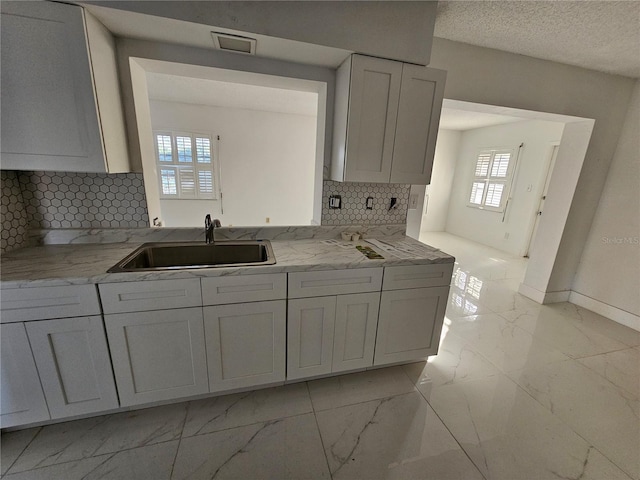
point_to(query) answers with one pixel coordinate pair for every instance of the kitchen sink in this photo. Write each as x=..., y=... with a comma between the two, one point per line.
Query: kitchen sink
x=187, y=255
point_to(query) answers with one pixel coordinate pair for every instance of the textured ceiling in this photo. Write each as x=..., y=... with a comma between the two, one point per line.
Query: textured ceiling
x=599, y=35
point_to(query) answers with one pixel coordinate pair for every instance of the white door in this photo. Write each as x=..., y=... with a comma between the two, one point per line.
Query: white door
x=419, y=109
x=73, y=361
x=245, y=344
x=543, y=197
x=355, y=331
x=158, y=355
x=310, y=336
x=22, y=400
x=373, y=108
x=409, y=324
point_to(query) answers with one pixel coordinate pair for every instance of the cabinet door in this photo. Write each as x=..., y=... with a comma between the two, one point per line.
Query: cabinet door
x=355, y=331
x=158, y=355
x=409, y=324
x=49, y=116
x=417, y=125
x=310, y=336
x=373, y=107
x=73, y=361
x=22, y=400
x=245, y=344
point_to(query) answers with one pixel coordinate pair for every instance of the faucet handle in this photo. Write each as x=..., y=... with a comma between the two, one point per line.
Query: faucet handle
x=216, y=223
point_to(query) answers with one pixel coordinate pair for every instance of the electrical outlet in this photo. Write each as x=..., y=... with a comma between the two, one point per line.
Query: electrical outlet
x=335, y=201
x=369, y=203
x=413, y=202
x=267, y=220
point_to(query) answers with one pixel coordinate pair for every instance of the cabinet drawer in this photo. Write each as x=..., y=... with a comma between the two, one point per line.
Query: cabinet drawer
x=417, y=276
x=40, y=303
x=244, y=288
x=152, y=295
x=334, y=282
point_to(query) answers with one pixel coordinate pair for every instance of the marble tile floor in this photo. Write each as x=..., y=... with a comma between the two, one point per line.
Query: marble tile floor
x=517, y=391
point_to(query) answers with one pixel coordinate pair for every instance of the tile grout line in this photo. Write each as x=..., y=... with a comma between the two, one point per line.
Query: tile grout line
x=562, y=421
x=175, y=457
x=22, y=451
x=506, y=374
x=324, y=451
x=109, y=454
x=446, y=426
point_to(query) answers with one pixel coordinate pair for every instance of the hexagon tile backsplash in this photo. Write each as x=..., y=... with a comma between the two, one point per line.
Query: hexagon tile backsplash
x=50, y=200
x=13, y=215
x=84, y=200
x=354, y=198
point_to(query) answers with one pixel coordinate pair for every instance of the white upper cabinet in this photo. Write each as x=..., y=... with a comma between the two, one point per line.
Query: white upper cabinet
x=386, y=121
x=417, y=125
x=61, y=105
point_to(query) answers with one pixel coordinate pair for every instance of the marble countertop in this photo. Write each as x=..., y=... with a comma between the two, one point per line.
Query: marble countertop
x=54, y=265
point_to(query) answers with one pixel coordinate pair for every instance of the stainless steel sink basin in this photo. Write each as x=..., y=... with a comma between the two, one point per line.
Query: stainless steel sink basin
x=178, y=256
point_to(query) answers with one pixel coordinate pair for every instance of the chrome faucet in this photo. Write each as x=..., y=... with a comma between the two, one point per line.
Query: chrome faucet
x=209, y=226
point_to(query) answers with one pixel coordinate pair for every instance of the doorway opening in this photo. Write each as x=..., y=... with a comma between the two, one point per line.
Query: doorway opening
x=548, y=151
x=526, y=142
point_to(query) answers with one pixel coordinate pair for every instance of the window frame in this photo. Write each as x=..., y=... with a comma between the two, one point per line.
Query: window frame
x=180, y=169
x=489, y=179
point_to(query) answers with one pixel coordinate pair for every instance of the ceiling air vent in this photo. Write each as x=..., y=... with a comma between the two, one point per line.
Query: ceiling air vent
x=234, y=43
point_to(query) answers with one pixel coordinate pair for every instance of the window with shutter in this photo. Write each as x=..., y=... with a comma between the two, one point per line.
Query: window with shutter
x=492, y=178
x=186, y=165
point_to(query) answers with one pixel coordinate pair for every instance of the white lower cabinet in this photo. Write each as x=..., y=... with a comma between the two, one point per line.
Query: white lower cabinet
x=22, y=400
x=245, y=344
x=158, y=355
x=331, y=334
x=72, y=358
x=355, y=331
x=310, y=330
x=409, y=324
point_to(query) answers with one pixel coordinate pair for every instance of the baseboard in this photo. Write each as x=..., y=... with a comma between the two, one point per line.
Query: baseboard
x=623, y=317
x=543, y=297
x=557, y=297
x=532, y=293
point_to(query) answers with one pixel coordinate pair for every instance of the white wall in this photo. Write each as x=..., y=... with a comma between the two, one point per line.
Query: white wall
x=364, y=27
x=527, y=83
x=439, y=191
x=485, y=226
x=609, y=271
x=267, y=162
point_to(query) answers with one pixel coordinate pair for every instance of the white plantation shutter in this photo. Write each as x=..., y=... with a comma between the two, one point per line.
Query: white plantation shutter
x=492, y=173
x=494, y=195
x=482, y=164
x=183, y=145
x=205, y=183
x=477, y=192
x=163, y=144
x=168, y=181
x=203, y=150
x=500, y=165
x=187, y=183
x=185, y=165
